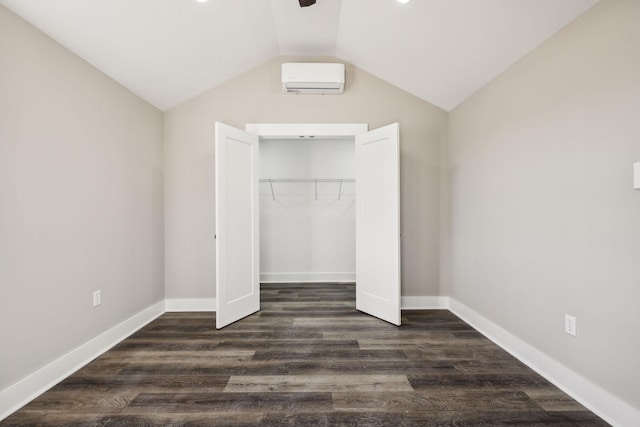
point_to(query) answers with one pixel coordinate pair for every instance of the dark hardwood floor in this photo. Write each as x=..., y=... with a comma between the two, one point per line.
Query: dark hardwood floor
x=308, y=358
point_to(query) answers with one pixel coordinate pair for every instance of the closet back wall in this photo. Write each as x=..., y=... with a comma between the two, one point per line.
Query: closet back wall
x=307, y=230
x=256, y=97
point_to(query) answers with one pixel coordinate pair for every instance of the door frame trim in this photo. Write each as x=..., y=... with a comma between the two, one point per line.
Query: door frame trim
x=297, y=130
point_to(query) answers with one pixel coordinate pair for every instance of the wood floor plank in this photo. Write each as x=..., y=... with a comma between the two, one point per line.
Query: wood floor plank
x=215, y=356
x=263, y=368
x=369, y=367
x=318, y=383
x=223, y=403
x=430, y=401
x=308, y=358
x=472, y=381
x=280, y=343
x=72, y=401
x=319, y=353
x=57, y=419
x=553, y=400
x=151, y=419
x=357, y=321
x=434, y=419
x=157, y=383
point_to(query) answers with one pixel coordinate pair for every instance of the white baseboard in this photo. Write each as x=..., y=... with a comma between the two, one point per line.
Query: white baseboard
x=326, y=277
x=424, y=303
x=209, y=304
x=19, y=394
x=607, y=406
x=190, y=304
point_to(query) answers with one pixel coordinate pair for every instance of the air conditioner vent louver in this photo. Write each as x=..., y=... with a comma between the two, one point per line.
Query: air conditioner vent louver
x=313, y=78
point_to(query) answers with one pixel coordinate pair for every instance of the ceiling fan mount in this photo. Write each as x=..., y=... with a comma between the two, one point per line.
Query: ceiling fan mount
x=305, y=3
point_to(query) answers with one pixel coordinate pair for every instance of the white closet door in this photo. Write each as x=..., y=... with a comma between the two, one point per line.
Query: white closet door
x=237, y=222
x=378, y=223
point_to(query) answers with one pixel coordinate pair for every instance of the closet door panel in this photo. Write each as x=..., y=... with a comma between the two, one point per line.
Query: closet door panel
x=378, y=223
x=237, y=222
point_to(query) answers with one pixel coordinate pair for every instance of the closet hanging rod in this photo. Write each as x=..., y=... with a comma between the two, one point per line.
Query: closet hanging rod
x=307, y=180
x=314, y=180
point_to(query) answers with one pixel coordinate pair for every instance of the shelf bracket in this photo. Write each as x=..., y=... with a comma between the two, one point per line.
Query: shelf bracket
x=273, y=195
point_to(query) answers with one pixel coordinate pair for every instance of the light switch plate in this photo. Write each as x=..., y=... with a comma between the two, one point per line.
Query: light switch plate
x=636, y=175
x=97, y=298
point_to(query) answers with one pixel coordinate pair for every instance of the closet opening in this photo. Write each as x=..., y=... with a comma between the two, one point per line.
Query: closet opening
x=307, y=203
x=307, y=210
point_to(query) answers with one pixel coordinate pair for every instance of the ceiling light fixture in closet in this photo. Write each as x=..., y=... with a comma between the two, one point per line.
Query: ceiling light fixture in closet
x=403, y=1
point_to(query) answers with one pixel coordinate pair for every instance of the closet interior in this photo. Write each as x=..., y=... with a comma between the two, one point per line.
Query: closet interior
x=307, y=209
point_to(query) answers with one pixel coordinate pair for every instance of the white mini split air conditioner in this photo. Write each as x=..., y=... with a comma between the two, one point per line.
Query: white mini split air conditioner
x=313, y=78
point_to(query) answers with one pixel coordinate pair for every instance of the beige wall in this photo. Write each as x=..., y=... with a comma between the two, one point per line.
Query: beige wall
x=256, y=97
x=544, y=218
x=81, y=201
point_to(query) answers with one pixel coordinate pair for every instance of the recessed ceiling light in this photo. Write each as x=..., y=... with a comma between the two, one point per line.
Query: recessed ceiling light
x=403, y=1
x=201, y=1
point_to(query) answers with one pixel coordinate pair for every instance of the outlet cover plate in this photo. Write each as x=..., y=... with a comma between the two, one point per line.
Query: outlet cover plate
x=570, y=324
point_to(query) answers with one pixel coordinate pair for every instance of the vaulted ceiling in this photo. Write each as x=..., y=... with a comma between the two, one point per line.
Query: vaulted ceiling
x=168, y=51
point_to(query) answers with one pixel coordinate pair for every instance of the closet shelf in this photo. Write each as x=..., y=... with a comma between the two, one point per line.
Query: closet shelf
x=314, y=180
x=308, y=180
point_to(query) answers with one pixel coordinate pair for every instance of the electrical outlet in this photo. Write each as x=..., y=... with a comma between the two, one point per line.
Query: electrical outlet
x=97, y=298
x=570, y=324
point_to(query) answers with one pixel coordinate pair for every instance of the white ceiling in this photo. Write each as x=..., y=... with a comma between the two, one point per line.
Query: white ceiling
x=168, y=51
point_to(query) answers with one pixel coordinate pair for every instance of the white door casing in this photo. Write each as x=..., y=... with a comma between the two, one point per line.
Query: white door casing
x=237, y=224
x=378, y=223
